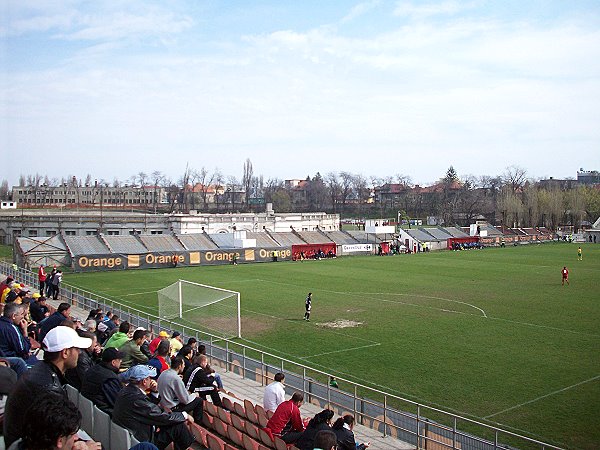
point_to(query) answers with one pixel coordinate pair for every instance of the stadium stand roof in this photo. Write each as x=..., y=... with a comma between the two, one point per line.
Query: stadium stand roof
x=531, y=231
x=197, y=241
x=421, y=235
x=314, y=237
x=438, y=233
x=41, y=245
x=125, y=244
x=341, y=237
x=365, y=238
x=493, y=231
x=287, y=238
x=262, y=239
x=161, y=243
x=86, y=245
x=223, y=240
x=455, y=232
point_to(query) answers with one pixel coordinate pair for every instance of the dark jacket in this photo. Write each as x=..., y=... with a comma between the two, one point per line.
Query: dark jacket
x=196, y=380
x=50, y=322
x=345, y=439
x=135, y=412
x=43, y=377
x=84, y=363
x=38, y=311
x=12, y=341
x=306, y=441
x=101, y=385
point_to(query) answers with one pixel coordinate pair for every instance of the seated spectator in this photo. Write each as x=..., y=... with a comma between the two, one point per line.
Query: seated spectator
x=101, y=383
x=209, y=370
x=193, y=342
x=345, y=437
x=61, y=351
x=113, y=324
x=286, y=421
x=63, y=312
x=52, y=423
x=325, y=440
x=197, y=380
x=173, y=394
x=154, y=343
x=39, y=309
x=274, y=393
x=160, y=361
x=321, y=421
x=14, y=341
x=147, y=421
x=186, y=353
x=120, y=337
x=145, y=347
x=176, y=342
x=90, y=325
x=18, y=365
x=87, y=360
x=132, y=354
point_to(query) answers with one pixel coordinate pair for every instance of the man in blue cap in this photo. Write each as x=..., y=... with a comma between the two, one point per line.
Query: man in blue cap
x=146, y=420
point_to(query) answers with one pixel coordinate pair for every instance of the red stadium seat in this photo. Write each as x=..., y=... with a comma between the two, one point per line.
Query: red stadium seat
x=249, y=443
x=235, y=436
x=215, y=443
x=220, y=427
x=224, y=415
x=252, y=430
x=238, y=423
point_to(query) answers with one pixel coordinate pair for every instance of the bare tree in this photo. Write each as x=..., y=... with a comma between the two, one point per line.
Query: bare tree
x=4, y=190
x=345, y=187
x=515, y=177
x=333, y=189
x=247, y=178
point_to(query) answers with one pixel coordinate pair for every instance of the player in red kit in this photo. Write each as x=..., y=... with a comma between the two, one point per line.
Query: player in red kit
x=565, y=275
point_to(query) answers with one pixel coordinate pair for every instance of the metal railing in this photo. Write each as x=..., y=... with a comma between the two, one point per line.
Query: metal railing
x=417, y=424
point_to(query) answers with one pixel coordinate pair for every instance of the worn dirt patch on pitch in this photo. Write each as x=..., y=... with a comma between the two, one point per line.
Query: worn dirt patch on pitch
x=340, y=323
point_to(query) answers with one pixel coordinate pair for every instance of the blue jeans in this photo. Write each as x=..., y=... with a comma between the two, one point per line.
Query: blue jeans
x=16, y=364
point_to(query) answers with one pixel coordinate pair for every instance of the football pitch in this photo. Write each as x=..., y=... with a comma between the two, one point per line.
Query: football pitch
x=488, y=334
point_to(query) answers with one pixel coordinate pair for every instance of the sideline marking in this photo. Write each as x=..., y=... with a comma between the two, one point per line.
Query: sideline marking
x=138, y=293
x=543, y=396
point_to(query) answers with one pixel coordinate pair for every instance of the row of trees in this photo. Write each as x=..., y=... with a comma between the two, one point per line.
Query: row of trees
x=511, y=198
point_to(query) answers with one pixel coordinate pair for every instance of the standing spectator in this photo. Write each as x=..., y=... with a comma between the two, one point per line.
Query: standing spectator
x=52, y=423
x=14, y=341
x=147, y=421
x=274, y=393
x=132, y=354
x=286, y=421
x=86, y=360
x=42, y=278
x=49, y=279
x=101, y=383
x=61, y=351
x=63, y=312
x=160, y=360
x=173, y=394
x=120, y=337
x=176, y=342
x=39, y=308
x=56, y=280
x=197, y=380
x=343, y=430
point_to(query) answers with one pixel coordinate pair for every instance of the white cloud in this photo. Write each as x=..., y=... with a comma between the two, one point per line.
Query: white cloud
x=360, y=10
x=425, y=10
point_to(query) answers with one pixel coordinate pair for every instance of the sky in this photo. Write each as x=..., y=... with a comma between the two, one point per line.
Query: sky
x=378, y=88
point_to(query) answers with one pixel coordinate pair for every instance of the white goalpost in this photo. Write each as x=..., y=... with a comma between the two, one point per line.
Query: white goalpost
x=214, y=309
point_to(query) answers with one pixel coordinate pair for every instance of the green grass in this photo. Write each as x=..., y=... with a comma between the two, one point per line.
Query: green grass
x=476, y=333
x=6, y=253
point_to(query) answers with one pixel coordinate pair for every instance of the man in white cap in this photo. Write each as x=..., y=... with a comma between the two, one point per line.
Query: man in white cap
x=146, y=420
x=61, y=351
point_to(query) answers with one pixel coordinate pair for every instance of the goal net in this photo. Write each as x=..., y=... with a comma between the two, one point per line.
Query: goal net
x=210, y=308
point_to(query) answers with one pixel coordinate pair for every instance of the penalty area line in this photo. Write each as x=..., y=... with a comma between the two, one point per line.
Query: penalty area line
x=543, y=396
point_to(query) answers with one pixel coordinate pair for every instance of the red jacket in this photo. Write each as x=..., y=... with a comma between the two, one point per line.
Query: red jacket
x=41, y=274
x=285, y=412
